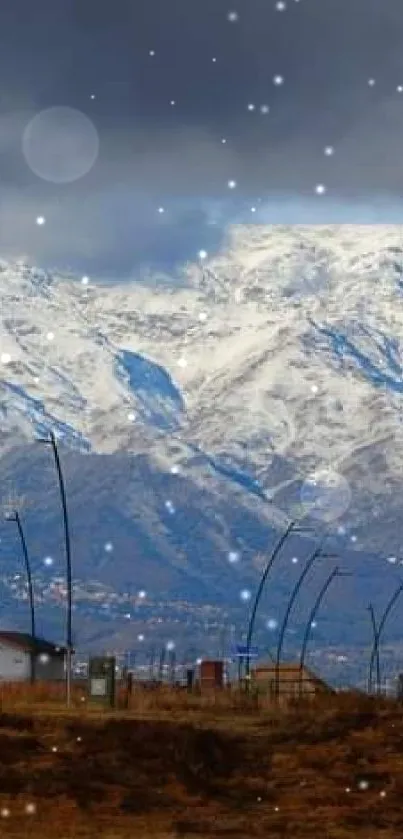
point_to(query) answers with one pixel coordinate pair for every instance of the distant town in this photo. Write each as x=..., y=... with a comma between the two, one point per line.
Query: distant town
x=140, y=627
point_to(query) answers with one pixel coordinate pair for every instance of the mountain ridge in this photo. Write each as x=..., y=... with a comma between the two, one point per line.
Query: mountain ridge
x=269, y=382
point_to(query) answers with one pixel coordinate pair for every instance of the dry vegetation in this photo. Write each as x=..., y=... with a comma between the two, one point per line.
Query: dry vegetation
x=179, y=765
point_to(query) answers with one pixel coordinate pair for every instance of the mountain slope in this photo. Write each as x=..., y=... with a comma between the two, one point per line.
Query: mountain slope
x=287, y=342
x=266, y=380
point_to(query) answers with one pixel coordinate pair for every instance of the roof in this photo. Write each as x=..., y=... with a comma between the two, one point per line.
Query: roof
x=290, y=669
x=24, y=641
x=284, y=666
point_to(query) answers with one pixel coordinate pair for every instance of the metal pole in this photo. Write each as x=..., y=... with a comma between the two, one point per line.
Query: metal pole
x=69, y=640
x=161, y=664
x=15, y=517
x=313, y=558
x=308, y=627
x=172, y=666
x=291, y=527
x=151, y=668
x=375, y=649
x=378, y=665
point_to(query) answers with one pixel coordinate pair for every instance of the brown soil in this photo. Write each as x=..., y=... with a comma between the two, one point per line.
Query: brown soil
x=332, y=768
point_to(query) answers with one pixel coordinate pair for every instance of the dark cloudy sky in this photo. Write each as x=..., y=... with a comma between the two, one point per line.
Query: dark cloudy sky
x=100, y=186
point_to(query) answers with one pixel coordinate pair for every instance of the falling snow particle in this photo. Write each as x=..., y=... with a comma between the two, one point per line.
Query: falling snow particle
x=278, y=80
x=5, y=358
x=44, y=658
x=271, y=623
x=232, y=17
x=40, y=220
x=320, y=189
x=231, y=184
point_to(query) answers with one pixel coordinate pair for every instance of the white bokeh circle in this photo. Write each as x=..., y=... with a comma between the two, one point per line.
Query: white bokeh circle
x=325, y=495
x=60, y=144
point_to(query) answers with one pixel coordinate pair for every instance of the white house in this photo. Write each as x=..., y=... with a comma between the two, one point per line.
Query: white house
x=16, y=651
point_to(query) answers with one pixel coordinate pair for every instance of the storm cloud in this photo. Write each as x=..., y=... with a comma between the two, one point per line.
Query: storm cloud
x=165, y=82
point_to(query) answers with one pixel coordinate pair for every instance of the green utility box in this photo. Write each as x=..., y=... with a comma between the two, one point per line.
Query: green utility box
x=101, y=680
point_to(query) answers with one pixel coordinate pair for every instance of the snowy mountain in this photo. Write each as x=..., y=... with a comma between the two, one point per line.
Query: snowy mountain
x=262, y=382
x=276, y=359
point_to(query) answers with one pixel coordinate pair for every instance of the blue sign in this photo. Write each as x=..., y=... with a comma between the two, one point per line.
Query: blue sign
x=242, y=651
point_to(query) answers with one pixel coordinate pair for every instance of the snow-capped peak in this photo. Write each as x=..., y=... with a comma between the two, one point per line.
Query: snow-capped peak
x=286, y=342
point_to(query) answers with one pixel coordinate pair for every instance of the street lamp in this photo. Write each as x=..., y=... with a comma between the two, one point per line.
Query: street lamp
x=378, y=664
x=318, y=552
x=293, y=527
x=334, y=573
x=69, y=641
x=14, y=516
x=375, y=649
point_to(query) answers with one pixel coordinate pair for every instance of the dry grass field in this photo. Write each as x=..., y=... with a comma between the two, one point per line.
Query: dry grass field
x=178, y=765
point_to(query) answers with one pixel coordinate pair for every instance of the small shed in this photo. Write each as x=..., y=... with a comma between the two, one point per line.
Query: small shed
x=211, y=674
x=16, y=652
x=291, y=680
